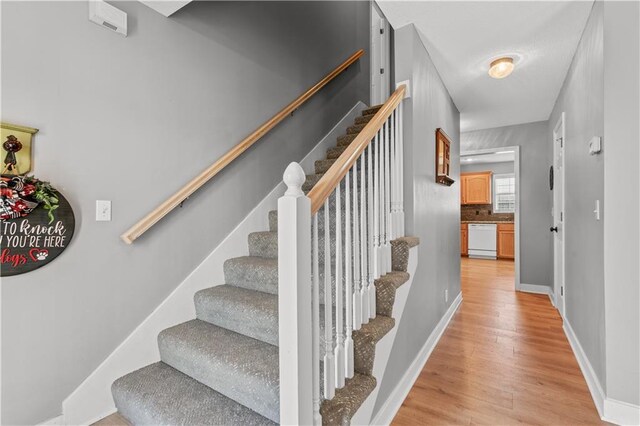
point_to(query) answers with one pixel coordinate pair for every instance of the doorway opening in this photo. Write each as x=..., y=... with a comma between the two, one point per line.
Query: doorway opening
x=380, y=56
x=490, y=212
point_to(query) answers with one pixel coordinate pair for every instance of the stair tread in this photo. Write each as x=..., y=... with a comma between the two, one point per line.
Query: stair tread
x=322, y=166
x=411, y=241
x=239, y=367
x=345, y=140
x=335, y=152
x=364, y=118
x=248, y=312
x=371, y=110
x=253, y=273
x=347, y=400
x=161, y=395
x=375, y=329
x=355, y=129
x=397, y=278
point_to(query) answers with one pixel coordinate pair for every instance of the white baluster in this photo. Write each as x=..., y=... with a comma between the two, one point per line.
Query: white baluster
x=329, y=373
x=294, y=297
x=339, y=351
x=382, y=218
x=357, y=300
x=364, y=286
x=396, y=186
x=315, y=324
x=370, y=253
x=394, y=178
x=401, y=177
x=387, y=199
x=348, y=343
x=376, y=208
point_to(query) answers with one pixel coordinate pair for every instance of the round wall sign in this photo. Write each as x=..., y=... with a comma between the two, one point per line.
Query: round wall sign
x=30, y=242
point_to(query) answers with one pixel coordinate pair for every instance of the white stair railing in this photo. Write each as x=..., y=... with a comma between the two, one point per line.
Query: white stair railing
x=332, y=246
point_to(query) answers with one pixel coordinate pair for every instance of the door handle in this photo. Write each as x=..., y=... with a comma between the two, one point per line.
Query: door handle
x=553, y=229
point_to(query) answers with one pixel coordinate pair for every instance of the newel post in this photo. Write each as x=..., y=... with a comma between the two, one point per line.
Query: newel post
x=294, y=301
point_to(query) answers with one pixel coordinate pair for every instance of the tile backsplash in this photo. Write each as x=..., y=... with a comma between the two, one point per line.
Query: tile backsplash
x=483, y=212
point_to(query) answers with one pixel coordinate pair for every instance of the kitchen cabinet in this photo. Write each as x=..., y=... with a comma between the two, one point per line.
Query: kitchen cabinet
x=464, y=239
x=506, y=241
x=475, y=188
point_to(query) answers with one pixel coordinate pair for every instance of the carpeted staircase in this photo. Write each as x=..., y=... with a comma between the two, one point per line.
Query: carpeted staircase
x=222, y=367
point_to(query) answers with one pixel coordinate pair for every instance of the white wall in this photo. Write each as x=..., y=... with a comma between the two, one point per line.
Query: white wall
x=600, y=97
x=536, y=249
x=133, y=119
x=621, y=205
x=432, y=210
x=581, y=99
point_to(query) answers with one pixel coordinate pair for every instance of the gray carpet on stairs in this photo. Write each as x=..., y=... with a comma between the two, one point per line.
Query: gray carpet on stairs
x=160, y=395
x=222, y=368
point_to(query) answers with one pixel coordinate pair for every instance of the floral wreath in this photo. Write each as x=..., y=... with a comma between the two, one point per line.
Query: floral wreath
x=20, y=195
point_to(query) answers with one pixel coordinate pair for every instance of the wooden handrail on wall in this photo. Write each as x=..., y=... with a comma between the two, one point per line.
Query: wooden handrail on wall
x=325, y=186
x=165, y=208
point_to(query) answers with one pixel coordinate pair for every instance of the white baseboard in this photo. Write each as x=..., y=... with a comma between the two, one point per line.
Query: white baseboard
x=609, y=409
x=92, y=400
x=597, y=392
x=621, y=413
x=391, y=406
x=537, y=289
x=56, y=421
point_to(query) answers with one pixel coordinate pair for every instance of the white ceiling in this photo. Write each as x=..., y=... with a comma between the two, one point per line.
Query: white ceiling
x=463, y=37
x=496, y=157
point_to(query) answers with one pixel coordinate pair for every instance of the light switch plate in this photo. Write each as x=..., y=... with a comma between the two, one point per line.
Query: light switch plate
x=103, y=210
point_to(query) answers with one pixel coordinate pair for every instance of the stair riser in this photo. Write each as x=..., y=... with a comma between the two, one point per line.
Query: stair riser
x=263, y=244
x=224, y=307
x=263, y=277
x=223, y=370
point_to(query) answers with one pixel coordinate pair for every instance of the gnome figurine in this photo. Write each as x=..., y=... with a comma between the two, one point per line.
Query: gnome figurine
x=11, y=145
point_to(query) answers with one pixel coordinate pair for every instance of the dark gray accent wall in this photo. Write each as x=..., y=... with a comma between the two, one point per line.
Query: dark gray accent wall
x=582, y=100
x=133, y=119
x=432, y=211
x=536, y=243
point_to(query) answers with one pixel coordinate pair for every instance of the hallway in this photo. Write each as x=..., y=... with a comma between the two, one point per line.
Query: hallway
x=504, y=359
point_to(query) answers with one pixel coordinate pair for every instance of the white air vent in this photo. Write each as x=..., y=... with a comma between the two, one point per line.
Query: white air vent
x=108, y=16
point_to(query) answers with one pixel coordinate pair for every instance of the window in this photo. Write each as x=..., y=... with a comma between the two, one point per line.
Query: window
x=504, y=193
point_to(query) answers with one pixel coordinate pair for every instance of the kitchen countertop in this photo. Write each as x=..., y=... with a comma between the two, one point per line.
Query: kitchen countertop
x=487, y=221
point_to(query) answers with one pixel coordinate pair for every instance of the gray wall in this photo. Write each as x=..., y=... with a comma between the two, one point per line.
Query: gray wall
x=131, y=120
x=432, y=210
x=536, y=243
x=496, y=168
x=581, y=99
x=621, y=186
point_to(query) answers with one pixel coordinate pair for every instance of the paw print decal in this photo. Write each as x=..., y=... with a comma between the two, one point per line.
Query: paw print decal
x=42, y=255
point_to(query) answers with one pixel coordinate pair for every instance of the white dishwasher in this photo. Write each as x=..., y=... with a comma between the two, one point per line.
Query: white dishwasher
x=482, y=240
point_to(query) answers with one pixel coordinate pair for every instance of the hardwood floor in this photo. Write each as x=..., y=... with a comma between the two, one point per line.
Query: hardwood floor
x=504, y=359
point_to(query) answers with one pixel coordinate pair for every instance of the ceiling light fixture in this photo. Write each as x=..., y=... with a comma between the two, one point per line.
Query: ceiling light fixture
x=501, y=67
x=504, y=152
